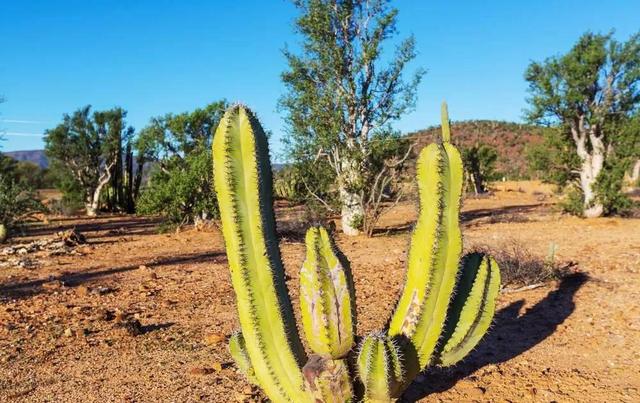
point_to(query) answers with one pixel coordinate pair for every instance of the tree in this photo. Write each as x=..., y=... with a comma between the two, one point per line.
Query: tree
x=179, y=148
x=340, y=94
x=590, y=94
x=86, y=147
x=479, y=165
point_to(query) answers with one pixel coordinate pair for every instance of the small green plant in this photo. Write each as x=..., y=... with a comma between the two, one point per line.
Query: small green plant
x=445, y=308
x=17, y=203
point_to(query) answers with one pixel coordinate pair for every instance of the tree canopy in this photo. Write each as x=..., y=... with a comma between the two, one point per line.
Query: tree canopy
x=343, y=90
x=591, y=94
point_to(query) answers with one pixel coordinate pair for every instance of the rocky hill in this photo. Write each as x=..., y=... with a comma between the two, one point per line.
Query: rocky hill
x=508, y=138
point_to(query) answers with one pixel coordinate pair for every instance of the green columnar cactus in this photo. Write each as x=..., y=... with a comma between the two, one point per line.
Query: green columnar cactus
x=445, y=308
x=472, y=308
x=436, y=245
x=243, y=185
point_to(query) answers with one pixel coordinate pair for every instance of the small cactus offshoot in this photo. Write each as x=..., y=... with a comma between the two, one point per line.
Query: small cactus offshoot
x=446, y=306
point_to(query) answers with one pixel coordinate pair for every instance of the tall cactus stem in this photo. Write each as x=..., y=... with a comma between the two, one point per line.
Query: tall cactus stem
x=436, y=245
x=243, y=184
x=446, y=129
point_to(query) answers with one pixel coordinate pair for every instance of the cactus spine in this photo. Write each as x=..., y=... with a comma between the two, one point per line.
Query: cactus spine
x=429, y=325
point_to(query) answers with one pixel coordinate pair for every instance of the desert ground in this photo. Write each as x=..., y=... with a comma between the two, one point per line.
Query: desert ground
x=135, y=315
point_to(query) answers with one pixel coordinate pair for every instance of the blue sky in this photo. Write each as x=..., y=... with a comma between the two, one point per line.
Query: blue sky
x=158, y=56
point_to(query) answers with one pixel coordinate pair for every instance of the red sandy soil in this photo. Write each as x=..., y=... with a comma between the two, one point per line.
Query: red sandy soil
x=68, y=330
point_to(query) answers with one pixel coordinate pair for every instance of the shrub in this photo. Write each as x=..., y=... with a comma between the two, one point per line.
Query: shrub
x=17, y=203
x=183, y=193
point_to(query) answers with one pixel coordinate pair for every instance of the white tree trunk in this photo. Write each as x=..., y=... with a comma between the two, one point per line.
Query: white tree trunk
x=93, y=201
x=590, y=168
x=635, y=174
x=352, y=212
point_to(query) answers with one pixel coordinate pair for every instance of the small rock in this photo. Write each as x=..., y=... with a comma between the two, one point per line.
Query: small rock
x=133, y=327
x=200, y=371
x=82, y=291
x=217, y=366
x=68, y=332
x=213, y=338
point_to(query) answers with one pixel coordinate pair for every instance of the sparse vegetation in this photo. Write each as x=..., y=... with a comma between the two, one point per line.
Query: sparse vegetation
x=17, y=203
x=520, y=267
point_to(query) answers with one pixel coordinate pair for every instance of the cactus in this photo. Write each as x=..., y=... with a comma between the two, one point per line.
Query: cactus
x=380, y=367
x=326, y=300
x=436, y=245
x=286, y=184
x=445, y=307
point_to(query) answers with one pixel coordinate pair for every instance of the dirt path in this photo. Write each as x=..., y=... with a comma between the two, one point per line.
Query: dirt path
x=141, y=316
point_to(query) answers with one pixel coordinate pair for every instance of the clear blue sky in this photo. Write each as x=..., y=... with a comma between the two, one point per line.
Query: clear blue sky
x=157, y=56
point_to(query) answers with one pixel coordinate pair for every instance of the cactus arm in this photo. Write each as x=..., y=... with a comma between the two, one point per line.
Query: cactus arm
x=243, y=185
x=325, y=299
x=238, y=351
x=472, y=310
x=436, y=245
x=380, y=368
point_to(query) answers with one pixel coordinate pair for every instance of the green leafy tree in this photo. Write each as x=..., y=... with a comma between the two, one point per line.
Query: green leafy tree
x=179, y=148
x=480, y=166
x=341, y=94
x=590, y=94
x=85, y=147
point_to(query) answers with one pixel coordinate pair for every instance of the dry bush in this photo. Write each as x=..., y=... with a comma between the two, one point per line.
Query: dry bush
x=520, y=267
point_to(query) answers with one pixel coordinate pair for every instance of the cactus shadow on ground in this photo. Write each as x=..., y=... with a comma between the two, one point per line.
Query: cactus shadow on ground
x=512, y=335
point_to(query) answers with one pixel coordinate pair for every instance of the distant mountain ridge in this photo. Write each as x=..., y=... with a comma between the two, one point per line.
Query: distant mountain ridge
x=38, y=157
x=508, y=138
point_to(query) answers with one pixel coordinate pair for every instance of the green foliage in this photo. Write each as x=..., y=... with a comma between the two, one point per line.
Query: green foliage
x=341, y=94
x=573, y=200
x=591, y=95
x=17, y=203
x=554, y=160
x=85, y=149
x=182, y=192
x=609, y=185
x=444, y=310
x=179, y=149
x=480, y=166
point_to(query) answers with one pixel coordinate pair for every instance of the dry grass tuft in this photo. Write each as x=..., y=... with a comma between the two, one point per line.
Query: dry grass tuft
x=520, y=267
